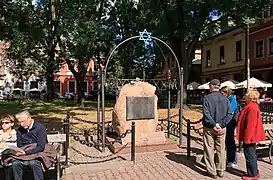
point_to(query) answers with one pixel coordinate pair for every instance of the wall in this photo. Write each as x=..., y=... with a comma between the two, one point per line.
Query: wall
x=263, y=32
x=231, y=66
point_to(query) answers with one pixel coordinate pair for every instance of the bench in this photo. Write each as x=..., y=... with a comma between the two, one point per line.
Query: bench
x=268, y=143
x=61, y=158
x=58, y=140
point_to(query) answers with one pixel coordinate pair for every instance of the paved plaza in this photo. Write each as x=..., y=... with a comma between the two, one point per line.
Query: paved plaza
x=166, y=165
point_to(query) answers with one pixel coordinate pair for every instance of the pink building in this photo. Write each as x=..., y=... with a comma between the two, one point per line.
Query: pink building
x=66, y=82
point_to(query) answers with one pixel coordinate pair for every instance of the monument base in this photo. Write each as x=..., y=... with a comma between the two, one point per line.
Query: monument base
x=147, y=142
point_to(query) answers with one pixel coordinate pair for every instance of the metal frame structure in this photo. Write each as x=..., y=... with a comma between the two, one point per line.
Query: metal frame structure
x=101, y=92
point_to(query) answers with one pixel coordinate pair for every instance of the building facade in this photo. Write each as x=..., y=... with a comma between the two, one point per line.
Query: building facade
x=261, y=52
x=64, y=80
x=170, y=63
x=223, y=56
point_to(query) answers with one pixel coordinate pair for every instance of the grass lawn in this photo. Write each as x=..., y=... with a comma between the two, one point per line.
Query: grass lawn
x=53, y=113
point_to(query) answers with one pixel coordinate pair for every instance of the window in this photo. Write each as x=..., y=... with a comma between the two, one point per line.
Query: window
x=95, y=85
x=71, y=86
x=270, y=11
x=238, y=50
x=18, y=85
x=222, y=55
x=270, y=46
x=33, y=84
x=86, y=86
x=259, y=49
x=208, y=60
x=57, y=86
x=266, y=14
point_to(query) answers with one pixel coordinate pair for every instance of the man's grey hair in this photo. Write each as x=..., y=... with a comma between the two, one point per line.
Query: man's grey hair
x=24, y=114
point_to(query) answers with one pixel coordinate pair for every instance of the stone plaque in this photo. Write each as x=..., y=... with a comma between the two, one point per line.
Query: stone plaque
x=140, y=108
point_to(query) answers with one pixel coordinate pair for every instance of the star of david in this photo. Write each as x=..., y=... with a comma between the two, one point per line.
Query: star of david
x=145, y=36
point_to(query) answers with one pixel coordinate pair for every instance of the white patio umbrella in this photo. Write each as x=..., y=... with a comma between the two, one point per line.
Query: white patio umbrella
x=193, y=86
x=230, y=83
x=254, y=83
x=204, y=86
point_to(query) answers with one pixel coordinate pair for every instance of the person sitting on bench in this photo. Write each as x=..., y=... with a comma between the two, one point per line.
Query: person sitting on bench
x=7, y=133
x=30, y=132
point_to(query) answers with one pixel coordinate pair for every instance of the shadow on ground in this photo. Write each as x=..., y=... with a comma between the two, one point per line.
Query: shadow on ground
x=191, y=162
x=197, y=165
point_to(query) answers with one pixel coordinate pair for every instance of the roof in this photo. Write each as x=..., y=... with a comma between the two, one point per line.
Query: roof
x=224, y=32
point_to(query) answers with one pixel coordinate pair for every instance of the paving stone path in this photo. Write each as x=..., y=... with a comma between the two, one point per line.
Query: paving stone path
x=166, y=165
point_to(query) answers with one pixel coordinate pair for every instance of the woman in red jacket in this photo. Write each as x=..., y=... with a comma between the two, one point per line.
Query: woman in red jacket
x=250, y=131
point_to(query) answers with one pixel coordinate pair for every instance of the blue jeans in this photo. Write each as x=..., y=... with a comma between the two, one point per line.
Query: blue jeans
x=251, y=159
x=230, y=142
x=35, y=166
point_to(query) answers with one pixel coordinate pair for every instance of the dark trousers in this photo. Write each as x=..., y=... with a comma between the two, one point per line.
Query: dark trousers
x=35, y=166
x=230, y=142
x=251, y=159
x=8, y=173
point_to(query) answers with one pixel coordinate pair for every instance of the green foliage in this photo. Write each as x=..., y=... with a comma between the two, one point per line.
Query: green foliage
x=87, y=29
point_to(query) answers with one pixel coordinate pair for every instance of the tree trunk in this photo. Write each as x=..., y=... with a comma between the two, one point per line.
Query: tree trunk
x=50, y=84
x=80, y=89
x=22, y=87
x=185, y=60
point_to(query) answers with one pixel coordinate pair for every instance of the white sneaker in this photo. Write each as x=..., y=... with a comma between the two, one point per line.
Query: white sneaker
x=231, y=165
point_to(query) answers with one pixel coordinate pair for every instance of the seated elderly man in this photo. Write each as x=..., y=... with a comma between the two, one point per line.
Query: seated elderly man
x=30, y=132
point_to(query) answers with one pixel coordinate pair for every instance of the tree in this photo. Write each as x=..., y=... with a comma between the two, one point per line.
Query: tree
x=37, y=24
x=83, y=35
x=183, y=23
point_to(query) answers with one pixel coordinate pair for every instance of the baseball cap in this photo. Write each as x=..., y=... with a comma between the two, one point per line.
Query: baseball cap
x=215, y=82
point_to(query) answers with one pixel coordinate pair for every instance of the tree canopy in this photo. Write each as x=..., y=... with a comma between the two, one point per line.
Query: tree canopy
x=52, y=32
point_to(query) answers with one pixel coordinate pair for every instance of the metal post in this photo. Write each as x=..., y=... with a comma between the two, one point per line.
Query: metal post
x=133, y=142
x=181, y=107
x=102, y=108
x=248, y=58
x=66, y=131
x=169, y=104
x=98, y=107
x=143, y=74
x=188, y=138
x=117, y=89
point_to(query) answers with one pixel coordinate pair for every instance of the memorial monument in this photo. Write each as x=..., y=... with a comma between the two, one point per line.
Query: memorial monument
x=128, y=105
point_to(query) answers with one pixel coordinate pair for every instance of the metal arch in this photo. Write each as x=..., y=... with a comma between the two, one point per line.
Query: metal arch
x=134, y=37
x=113, y=51
x=103, y=78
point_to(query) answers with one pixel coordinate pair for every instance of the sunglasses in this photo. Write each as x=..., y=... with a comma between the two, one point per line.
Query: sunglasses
x=5, y=122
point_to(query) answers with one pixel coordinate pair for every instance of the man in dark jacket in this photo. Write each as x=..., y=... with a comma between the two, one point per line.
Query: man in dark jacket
x=29, y=132
x=217, y=114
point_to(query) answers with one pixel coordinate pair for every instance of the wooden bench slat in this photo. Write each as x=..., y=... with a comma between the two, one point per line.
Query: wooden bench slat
x=265, y=142
x=268, y=126
x=56, y=138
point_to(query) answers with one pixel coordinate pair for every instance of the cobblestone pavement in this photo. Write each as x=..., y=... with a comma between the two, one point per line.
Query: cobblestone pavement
x=166, y=165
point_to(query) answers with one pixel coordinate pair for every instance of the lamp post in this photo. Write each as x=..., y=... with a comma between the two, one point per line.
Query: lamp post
x=248, y=21
x=248, y=58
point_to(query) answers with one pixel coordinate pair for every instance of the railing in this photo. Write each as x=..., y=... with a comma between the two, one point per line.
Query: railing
x=267, y=113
